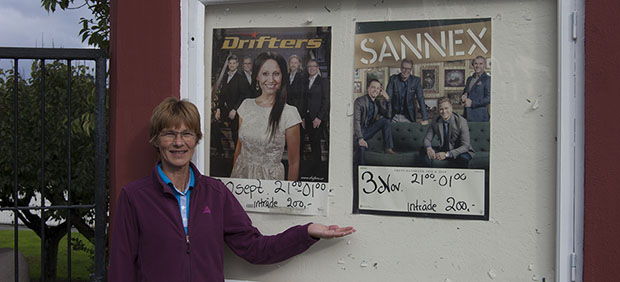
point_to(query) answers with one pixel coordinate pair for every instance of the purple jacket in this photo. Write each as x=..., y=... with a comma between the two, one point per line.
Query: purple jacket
x=148, y=241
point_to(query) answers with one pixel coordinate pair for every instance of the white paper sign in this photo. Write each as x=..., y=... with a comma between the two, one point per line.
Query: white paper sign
x=280, y=196
x=434, y=191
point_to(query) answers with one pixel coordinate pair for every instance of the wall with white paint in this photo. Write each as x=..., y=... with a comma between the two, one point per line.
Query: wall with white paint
x=518, y=242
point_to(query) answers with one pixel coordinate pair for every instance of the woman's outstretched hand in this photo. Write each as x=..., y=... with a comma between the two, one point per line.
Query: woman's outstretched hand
x=318, y=230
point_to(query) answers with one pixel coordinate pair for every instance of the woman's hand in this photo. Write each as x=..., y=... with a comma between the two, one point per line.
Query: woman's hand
x=317, y=230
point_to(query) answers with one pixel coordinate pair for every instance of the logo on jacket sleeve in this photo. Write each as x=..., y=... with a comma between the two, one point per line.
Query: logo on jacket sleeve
x=206, y=210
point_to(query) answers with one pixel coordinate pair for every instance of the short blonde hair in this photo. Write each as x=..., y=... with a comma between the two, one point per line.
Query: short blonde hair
x=173, y=112
x=484, y=60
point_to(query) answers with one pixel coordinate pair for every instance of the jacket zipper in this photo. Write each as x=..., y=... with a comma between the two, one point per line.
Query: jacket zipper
x=189, y=257
x=186, y=246
x=187, y=243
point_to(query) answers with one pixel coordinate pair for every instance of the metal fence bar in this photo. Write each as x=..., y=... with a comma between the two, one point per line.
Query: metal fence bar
x=69, y=169
x=42, y=170
x=48, y=207
x=15, y=166
x=51, y=53
x=100, y=169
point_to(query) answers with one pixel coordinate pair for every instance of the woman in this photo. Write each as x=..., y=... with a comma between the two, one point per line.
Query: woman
x=172, y=225
x=266, y=124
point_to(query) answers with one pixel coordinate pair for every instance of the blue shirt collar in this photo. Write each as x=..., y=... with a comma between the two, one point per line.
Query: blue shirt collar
x=167, y=180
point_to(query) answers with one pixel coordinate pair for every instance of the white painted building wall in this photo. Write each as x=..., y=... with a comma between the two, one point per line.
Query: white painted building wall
x=517, y=243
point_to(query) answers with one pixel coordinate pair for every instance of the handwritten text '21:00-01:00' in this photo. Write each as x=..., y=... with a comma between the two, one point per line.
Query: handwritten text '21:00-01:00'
x=279, y=196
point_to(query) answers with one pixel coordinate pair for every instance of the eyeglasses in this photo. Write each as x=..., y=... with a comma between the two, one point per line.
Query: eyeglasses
x=171, y=135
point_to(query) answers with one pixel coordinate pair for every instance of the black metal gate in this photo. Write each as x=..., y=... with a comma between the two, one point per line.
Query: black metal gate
x=99, y=205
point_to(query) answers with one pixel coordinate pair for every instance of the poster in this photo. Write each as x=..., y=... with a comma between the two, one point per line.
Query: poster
x=270, y=117
x=421, y=123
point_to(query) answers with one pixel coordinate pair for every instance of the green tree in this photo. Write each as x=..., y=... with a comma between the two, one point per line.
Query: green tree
x=94, y=31
x=56, y=177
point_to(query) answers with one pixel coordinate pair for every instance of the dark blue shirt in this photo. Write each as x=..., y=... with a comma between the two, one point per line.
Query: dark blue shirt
x=371, y=111
x=403, y=93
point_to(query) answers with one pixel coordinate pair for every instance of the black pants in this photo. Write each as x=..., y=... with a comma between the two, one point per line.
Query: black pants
x=315, y=135
x=234, y=128
x=216, y=137
x=368, y=132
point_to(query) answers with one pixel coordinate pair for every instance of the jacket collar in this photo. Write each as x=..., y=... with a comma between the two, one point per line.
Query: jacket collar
x=408, y=80
x=483, y=76
x=451, y=120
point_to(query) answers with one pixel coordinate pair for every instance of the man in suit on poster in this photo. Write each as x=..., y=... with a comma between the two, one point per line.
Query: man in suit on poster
x=234, y=90
x=297, y=84
x=316, y=109
x=247, y=74
x=371, y=115
x=453, y=132
x=295, y=92
x=404, y=90
x=477, y=92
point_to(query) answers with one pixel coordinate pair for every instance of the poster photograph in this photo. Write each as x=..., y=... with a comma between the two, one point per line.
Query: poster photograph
x=270, y=104
x=455, y=78
x=429, y=79
x=421, y=135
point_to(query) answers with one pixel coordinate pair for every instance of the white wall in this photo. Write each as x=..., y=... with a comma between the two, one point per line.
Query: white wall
x=518, y=242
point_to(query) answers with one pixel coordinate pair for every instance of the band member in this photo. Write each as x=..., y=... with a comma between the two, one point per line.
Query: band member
x=247, y=73
x=295, y=87
x=234, y=90
x=404, y=90
x=453, y=133
x=371, y=115
x=267, y=124
x=316, y=111
x=477, y=92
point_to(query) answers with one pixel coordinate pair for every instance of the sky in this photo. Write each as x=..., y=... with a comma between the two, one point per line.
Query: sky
x=24, y=23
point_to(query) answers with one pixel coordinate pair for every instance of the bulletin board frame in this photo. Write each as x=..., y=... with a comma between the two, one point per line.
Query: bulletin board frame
x=570, y=52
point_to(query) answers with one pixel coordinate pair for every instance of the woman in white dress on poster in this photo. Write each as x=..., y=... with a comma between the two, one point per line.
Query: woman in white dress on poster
x=267, y=124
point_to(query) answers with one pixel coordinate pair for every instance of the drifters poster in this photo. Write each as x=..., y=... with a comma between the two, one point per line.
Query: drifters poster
x=270, y=116
x=421, y=138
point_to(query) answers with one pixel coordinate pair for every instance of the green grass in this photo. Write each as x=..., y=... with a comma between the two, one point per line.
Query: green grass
x=30, y=247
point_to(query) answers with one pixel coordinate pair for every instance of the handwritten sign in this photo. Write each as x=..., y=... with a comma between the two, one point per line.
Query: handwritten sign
x=431, y=191
x=279, y=196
